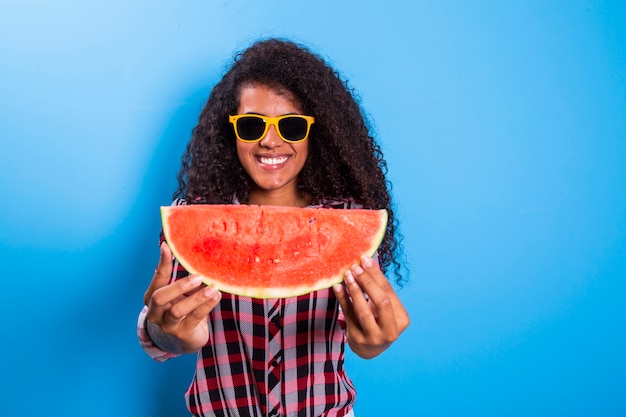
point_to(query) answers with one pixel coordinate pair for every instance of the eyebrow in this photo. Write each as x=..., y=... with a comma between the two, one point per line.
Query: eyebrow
x=265, y=115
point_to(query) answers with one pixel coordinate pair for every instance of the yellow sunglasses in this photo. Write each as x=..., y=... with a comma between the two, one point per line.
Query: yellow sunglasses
x=291, y=128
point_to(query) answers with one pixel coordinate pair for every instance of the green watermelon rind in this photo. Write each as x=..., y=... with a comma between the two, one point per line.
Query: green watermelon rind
x=276, y=292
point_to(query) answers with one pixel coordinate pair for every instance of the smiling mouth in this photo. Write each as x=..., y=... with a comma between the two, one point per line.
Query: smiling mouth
x=276, y=160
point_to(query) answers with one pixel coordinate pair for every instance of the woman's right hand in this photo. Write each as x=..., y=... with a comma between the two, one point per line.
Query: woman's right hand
x=177, y=311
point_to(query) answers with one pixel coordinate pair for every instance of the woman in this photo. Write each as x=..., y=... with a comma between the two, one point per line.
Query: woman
x=266, y=357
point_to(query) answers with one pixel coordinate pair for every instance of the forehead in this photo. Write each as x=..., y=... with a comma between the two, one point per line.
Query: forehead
x=266, y=99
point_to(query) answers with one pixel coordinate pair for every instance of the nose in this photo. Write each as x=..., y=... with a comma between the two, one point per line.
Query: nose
x=271, y=138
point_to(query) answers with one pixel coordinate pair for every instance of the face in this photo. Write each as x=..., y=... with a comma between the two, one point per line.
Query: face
x=272, y=164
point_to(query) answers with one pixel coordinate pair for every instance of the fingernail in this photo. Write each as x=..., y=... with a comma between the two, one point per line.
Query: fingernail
x=357, y=269
x=366, y=261
x=196, y=280
x=349, y=277
x=337, y=288
x=210, y=292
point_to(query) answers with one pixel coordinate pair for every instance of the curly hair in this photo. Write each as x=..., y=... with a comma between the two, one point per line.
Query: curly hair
x=344, y=160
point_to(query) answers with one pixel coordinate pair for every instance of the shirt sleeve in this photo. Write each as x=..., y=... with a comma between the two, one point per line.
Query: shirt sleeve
x=147, y=344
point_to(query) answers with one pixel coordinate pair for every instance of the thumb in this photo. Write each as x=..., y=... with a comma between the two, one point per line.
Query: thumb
x=162, y=274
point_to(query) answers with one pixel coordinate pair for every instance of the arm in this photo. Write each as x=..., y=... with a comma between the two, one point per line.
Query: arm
x=375, y=317
x=174, y=319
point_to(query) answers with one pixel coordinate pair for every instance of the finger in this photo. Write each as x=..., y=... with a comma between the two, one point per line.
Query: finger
x=360, y=306
x=380, y=301
x=175, y=291
x=344, y=300
x=205, y=303
x=353, y=325
x=163, y=271
x=373, y=269
x=162, y=274
x=164, y=298
x=186, y=307
x=186, y=320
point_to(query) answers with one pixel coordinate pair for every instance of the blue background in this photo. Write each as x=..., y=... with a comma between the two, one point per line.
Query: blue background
x=504, y=125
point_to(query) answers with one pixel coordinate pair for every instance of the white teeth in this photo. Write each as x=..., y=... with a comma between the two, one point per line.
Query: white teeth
x=272, y=161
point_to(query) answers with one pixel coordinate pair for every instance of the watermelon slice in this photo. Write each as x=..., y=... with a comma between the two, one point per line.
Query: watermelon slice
x=270, y=251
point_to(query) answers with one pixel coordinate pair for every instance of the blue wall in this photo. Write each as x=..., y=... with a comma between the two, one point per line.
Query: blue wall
x=504, y=125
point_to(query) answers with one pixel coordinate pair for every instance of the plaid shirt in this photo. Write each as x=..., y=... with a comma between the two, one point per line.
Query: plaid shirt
x=276, y=357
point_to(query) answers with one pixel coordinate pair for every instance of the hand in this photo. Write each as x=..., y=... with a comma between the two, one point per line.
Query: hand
x=372, y=324
x=177, y=312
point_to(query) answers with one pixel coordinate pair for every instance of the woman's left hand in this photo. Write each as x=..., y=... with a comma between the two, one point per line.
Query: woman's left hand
x=374, y=315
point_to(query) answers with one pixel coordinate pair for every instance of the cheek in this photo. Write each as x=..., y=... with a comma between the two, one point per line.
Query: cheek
x=302, y=150
x=239, y=148
x=244, y=156
x=305, y=158
x=243, y=149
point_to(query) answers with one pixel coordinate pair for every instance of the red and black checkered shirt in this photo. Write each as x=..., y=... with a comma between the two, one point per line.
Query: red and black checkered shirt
x=276, y=357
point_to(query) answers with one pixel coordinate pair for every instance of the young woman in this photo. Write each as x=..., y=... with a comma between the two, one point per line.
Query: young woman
x=280, y=128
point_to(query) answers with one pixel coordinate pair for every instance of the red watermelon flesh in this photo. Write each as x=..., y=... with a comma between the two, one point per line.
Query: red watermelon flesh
x=271, y=251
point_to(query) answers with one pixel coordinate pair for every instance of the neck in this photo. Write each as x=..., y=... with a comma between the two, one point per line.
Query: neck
x=297, y=198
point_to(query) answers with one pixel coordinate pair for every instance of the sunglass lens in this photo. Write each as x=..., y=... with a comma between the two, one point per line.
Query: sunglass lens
x=250, y=128
x=293, y=128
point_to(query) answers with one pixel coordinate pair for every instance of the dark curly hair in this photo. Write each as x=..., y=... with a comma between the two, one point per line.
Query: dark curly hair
x=344, y=160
